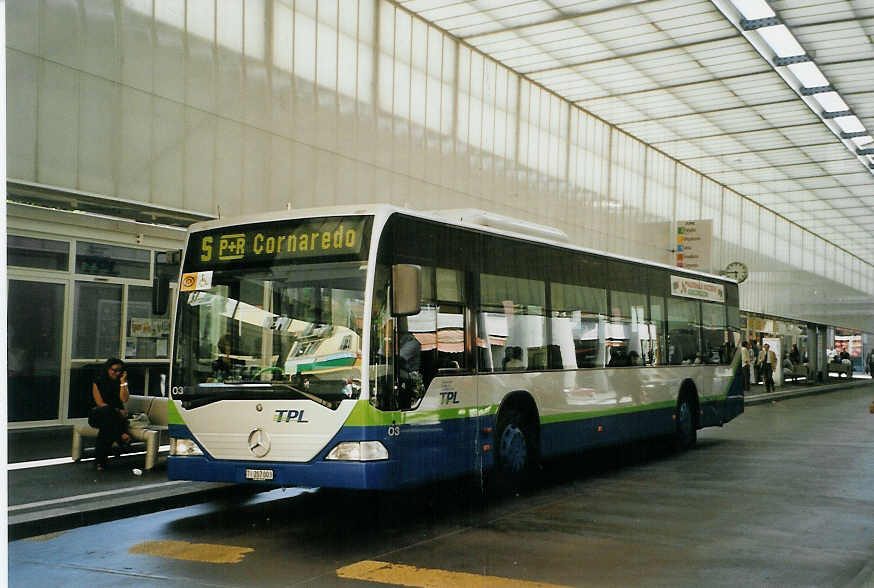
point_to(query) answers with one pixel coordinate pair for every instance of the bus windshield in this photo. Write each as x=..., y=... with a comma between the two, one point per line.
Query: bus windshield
x=282, y=331
x=272, y=310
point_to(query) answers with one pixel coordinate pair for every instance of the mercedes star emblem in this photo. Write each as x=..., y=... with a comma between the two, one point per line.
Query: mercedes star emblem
x=259, y=443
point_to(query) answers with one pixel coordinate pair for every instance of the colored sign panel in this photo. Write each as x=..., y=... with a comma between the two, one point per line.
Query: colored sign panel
x=694, y=244
x=694, y=288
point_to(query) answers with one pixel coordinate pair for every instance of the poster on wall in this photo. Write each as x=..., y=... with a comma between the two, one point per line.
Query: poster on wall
x=695, y=244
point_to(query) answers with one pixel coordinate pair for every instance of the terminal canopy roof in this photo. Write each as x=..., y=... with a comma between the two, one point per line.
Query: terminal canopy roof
x=774, y=100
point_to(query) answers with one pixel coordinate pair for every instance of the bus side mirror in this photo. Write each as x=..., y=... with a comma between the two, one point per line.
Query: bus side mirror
x=406, y=290
x=160, y=295
x=161, y=283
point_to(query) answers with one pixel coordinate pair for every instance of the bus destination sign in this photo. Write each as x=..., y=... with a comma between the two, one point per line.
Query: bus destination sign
x=311, y=238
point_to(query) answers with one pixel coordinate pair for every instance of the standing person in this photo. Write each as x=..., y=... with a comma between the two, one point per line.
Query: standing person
x=767, y=363
x=869, y=363
x=745, y=364
x=108, y=415
x=754, y=356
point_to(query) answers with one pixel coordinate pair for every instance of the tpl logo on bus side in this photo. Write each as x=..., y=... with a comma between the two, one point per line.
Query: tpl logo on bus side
x=286, y=416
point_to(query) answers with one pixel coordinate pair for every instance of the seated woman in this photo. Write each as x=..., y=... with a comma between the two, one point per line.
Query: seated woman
x=109, y=392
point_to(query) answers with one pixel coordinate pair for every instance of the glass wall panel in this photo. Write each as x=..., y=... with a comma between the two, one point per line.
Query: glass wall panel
x=97, y=320
x=35, y=337
x=38, y=253
x=113, y=260
x=147, y=335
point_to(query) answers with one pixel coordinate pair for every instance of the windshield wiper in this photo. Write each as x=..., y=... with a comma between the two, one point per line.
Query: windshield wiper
x=324, y=403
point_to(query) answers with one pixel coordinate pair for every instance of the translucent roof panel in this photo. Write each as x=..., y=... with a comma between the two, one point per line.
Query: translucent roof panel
x=682, y=78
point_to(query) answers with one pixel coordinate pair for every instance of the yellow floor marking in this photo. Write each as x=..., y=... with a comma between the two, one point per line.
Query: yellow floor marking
x=204, y=552
x=46, y=537
x=403, y=575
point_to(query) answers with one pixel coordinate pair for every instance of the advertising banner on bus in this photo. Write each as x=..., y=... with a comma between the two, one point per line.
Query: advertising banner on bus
x=694, y=288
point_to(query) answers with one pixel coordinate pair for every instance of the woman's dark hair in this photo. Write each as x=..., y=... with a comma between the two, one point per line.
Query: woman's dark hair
x=111, y=362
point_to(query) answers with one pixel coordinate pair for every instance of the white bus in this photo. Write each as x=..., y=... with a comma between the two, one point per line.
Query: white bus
x=375, y=348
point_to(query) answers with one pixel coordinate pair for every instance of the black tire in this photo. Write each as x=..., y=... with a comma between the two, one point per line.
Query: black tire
x=515, y=450
x=686, y=434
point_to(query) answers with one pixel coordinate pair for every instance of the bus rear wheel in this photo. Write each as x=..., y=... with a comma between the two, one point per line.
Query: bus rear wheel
x=686, y=434
x=516, y=451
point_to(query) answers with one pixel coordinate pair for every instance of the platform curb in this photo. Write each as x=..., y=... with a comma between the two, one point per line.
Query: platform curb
x=35, y=522
x=810, y=391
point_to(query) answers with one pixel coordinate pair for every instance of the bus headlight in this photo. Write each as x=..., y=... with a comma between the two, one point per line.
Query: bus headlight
x=183, y=447
x=358, y=451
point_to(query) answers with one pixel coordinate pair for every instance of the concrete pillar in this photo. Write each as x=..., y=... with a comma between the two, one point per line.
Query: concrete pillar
x=812, y=357
x=821, y=357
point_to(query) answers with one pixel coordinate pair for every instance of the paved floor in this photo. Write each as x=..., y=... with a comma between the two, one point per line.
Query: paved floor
x=782, y=496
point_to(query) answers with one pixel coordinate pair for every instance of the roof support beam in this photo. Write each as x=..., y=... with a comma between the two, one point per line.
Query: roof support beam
x=563, y=18
x=628, y=55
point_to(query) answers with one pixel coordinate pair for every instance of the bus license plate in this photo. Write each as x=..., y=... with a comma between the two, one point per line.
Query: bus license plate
x=259, y=474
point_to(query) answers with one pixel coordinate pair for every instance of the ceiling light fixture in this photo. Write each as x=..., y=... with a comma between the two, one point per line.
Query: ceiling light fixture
x=773, y=40
x=850, y=124
x=754, y=9
x=808, y=74
x=781, y=41
x=831, y=102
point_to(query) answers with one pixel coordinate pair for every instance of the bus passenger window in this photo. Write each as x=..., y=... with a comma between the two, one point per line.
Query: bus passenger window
x=715, y=342
x=684, y=323
x=511, y=315
x=578, y=325
x=450, y=337
x=626, y=329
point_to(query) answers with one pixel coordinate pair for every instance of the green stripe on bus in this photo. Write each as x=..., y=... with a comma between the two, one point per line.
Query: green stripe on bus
x=365, y=415
x=581, y=416
x=173, y=416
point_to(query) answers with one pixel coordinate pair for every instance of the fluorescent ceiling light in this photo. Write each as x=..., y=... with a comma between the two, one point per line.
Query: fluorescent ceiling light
x=753, y=9
x=862, y=141
x=831, y=102
x=781, y=41
x=850, y=124
x=808, y=74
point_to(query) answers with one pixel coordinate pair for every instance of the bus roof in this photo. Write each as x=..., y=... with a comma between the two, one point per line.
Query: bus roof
x=446, y=217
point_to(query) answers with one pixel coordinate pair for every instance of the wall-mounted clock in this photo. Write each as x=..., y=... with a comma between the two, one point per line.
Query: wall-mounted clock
x=736, y=270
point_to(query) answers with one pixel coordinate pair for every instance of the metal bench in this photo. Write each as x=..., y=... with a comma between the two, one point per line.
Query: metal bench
x=153, y=434
x=843, y=369
x=795, y=371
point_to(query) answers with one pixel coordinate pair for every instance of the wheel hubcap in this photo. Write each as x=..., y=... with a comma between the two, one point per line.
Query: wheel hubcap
x=514, y=449
x=684, y=420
